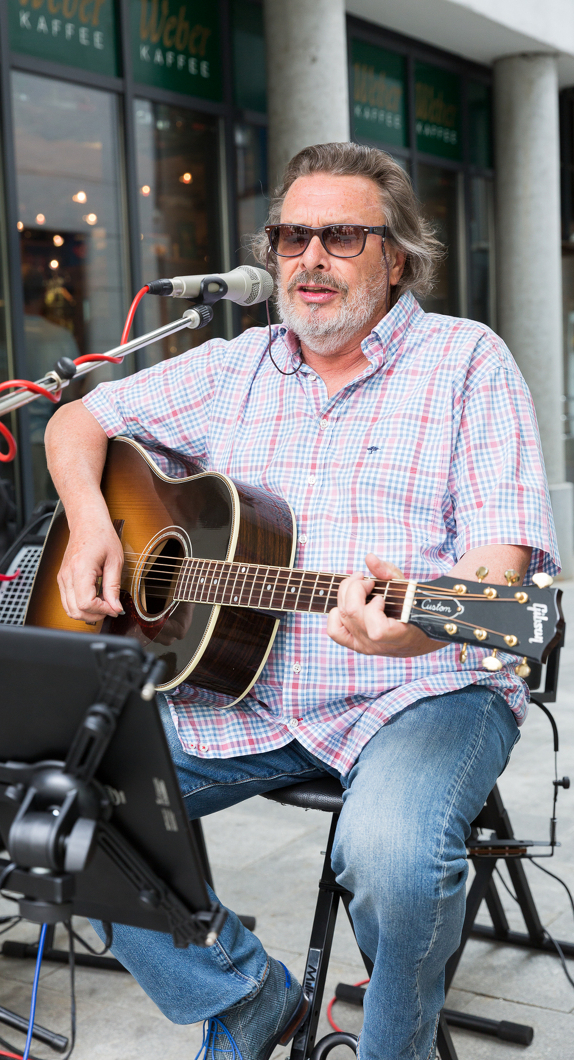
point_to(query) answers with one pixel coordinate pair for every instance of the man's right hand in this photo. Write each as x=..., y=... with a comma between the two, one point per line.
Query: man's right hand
x=90, y=575
x=76, y=448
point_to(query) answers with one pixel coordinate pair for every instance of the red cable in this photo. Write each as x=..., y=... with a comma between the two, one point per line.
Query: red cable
x=5, y=458
x=131, y=314
x=363, y=982
x=16, y=1056
x=25, y=384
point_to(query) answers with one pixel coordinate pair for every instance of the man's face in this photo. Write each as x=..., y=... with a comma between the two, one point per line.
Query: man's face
x=328, y=300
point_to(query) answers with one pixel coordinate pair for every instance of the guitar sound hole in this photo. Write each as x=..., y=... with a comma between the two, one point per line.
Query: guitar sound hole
x=160, y=577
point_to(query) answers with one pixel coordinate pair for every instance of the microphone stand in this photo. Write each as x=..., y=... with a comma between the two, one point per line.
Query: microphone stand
x=61, y=375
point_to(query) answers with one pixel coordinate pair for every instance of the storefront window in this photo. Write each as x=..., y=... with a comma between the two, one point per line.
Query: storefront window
x=252, y=201
x=250, y=90
x=69, y=218
x=7, y=497
x=480, y=124
x=438, y=192
x=178, y=183
x=481, y=287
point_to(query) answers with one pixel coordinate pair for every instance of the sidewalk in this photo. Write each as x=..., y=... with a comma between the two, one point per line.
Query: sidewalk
x=266, y=861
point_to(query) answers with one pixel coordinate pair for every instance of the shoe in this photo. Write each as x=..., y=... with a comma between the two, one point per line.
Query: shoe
x=253, y=1029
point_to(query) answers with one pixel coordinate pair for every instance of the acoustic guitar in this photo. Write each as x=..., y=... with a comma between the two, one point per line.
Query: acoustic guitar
x=209, y=570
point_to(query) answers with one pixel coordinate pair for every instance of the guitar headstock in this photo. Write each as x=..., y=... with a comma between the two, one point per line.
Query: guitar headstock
x=524, y=620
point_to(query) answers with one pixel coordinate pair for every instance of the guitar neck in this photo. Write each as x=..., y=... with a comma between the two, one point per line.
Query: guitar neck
x=272, y=588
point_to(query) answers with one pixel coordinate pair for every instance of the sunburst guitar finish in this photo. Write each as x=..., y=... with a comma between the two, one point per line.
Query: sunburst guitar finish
x=161, y=521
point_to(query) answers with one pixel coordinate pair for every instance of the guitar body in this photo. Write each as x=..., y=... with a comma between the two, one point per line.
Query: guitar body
x=160, y=518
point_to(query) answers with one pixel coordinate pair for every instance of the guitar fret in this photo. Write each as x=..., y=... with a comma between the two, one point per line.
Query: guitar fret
x=253, y=583
x=213, y=580
x=191, y=583
x=233, y=595
x=179, y=587
x=203, y=581
x=229, y=568
x=273, y=579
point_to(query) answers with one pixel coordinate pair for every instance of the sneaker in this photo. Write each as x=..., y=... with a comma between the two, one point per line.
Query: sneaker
x=253, y=1029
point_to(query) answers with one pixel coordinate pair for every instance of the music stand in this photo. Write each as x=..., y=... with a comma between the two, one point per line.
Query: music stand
x=88, y=791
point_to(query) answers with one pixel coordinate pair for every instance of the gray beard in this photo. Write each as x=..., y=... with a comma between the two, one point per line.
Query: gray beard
x=327, y=336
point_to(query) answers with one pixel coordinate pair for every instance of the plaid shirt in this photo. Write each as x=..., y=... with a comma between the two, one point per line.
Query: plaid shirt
x=433, y=450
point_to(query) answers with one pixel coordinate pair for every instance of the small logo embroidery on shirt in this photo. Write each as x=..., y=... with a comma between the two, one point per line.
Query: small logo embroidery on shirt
x=373, y=449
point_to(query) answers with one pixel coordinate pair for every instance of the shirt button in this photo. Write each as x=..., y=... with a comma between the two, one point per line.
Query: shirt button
x=312, y=378
x=311, y=480
x=297, y=668
x=293, y=723
x=323, y=424
x=303, y=539
x=203, y=747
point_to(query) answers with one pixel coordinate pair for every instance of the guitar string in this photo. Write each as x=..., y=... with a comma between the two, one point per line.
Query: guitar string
x=170, y=566
x=279, y=587
x=254, y=572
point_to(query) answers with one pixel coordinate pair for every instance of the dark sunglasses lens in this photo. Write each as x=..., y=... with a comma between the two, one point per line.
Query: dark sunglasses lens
x=344, y=241
x=289, y=240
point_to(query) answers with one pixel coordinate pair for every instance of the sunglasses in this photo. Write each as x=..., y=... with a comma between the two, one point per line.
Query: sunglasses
x=342, y=241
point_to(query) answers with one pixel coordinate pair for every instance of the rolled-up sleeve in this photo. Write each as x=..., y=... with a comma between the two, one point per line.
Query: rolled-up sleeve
x=497, y=481
x=168, y=404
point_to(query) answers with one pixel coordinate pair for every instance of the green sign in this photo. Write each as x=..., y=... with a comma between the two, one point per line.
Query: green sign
x=437, y=111
x=75, y=32
x=175, y=45
x=379, y=96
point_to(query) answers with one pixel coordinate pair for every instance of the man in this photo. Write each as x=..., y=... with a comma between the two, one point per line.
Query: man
x=403, y=440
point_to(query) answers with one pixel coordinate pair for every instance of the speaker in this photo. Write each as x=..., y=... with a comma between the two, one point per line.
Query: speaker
x=23, y=555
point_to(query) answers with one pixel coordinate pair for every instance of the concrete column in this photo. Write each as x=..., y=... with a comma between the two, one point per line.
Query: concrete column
x=307, y=79
x=529, y=280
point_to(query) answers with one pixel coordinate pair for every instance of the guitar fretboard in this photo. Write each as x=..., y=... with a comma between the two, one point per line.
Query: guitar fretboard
x=270, y=588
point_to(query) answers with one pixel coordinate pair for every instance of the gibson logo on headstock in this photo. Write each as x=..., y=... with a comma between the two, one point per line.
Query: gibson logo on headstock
x=445, y=607
x=539, y=615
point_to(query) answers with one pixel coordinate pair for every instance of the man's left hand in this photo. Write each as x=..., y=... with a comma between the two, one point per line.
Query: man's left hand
x=364, y=627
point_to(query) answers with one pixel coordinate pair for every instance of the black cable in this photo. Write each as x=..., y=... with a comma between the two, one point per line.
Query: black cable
x=273, y=361
x=551, y=939
x=71, y=933
x=558, y=949
x=6, y=872
x=555, y=877
x=15, y=920
x=16, y=1049
x=505, y=885
x=97, y=953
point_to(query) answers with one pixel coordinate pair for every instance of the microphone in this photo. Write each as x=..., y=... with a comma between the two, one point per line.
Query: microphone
x=244, y=285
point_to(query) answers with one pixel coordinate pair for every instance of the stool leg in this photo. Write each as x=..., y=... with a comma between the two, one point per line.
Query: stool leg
x=445, y=1044
x=319, y=951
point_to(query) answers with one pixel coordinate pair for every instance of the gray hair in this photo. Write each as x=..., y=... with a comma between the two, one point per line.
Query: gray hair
x=408, y=231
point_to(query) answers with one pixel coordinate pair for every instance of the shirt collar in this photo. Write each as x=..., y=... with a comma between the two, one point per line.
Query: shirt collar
x=380, y=344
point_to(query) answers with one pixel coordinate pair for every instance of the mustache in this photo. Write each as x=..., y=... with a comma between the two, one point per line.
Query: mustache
x=319, y=279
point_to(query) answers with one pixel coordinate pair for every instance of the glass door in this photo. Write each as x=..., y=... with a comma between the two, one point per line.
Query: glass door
x=70, y=223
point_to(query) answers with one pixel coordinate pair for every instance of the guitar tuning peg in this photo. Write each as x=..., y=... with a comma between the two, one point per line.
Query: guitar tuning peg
x=523, y=669
x=491, y=662
x=463, y=653
x=543, y=581
x=481, y=573
x=511, y=577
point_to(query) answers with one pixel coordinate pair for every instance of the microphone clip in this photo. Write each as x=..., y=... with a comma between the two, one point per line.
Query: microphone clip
x=211, y=290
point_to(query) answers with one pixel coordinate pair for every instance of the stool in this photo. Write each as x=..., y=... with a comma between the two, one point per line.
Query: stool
x=327, y=795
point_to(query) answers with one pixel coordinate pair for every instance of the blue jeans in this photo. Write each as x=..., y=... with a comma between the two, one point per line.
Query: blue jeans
x=409, y=801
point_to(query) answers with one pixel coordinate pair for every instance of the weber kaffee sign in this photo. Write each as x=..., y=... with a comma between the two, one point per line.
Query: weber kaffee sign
x=175, y=43
x=75, y=32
